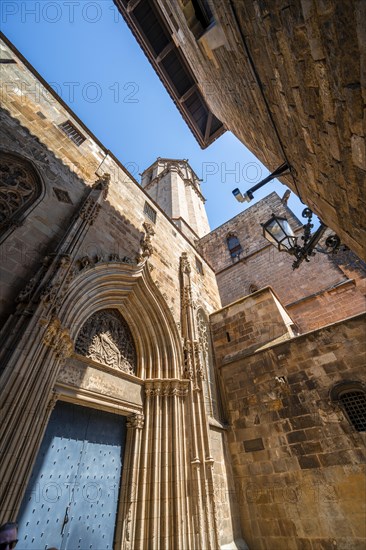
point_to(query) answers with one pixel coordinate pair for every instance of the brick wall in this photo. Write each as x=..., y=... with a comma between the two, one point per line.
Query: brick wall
x=298, y=463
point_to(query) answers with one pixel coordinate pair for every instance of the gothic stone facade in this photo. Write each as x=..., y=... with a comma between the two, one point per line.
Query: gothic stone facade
x=109, y=304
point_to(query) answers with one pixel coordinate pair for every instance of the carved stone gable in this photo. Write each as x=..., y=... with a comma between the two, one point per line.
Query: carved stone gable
x=107, y=339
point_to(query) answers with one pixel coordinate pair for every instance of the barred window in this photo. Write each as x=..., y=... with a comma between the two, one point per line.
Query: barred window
x=354, y=404
x=352, y=399
x=150, y=212
x=72, y=132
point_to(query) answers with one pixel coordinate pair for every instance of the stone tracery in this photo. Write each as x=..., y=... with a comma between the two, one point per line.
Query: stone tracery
x=107, y=339
x=19, y=188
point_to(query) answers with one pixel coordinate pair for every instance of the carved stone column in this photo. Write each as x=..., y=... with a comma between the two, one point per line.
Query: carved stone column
x=130, y=480
x=161, y=495
x=33, y=345
x=204, y=525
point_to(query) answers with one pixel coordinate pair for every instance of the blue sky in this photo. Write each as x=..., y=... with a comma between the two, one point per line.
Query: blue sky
x=87, y=53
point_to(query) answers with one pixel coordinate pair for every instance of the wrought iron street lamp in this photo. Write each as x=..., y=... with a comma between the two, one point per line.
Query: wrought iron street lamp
x=278, y=232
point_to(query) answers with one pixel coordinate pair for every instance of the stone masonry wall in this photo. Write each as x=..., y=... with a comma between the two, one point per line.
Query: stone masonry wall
x=308, y=106
x=298, y=463
x=325, y=290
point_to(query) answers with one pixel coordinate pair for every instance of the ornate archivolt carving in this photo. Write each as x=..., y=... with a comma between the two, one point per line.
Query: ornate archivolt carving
x=87, y=262
x=107, y=339
x=90, y=210
x=166, y=387
x=19, y=188
x=58, y=338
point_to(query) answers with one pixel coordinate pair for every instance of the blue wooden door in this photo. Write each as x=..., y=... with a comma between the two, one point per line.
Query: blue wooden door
x=72, y=496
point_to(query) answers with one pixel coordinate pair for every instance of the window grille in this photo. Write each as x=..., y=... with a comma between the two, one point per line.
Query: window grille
x=72, y=132
x=150, y=212
x=354, y=404
x=351, y=397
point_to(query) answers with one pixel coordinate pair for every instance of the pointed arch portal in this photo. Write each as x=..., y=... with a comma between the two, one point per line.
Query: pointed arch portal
x=152, y=503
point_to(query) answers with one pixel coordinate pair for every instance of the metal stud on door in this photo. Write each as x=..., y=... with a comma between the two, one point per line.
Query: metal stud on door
x=71, y=500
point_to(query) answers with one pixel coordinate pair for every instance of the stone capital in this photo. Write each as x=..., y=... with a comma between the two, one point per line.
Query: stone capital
x=135, y=421
x=166, y=387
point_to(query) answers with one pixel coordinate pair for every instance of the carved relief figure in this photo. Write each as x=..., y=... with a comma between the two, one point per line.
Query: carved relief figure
x=207, y=362
x=107, y=339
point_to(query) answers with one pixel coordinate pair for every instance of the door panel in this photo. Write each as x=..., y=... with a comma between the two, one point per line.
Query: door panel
x=72, y=495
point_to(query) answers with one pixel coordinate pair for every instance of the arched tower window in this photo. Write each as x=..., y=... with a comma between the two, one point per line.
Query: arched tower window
x=351, y=397
x=234, y=245
x=210, y=387
x=107, y=339
x=20, y=187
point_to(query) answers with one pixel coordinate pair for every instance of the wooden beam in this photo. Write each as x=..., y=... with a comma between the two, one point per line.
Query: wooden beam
x=208, y=126
x=132, y=5
x=188, y=93
x=168, y=48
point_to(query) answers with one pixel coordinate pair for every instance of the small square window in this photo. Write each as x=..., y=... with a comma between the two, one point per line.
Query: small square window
x=150, y=212
x=199, y=266
x=72, y=132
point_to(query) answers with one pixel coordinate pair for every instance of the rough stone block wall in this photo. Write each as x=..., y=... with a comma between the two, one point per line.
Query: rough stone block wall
x=325, y=290
x=309, y=57
x=298, y=463
x=228, y=514
x=247, y=324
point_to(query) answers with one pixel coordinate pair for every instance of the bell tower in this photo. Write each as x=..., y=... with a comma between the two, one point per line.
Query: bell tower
x=174, y=186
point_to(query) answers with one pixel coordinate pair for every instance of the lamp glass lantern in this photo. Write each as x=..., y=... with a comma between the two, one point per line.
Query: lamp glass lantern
x=279, y=233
